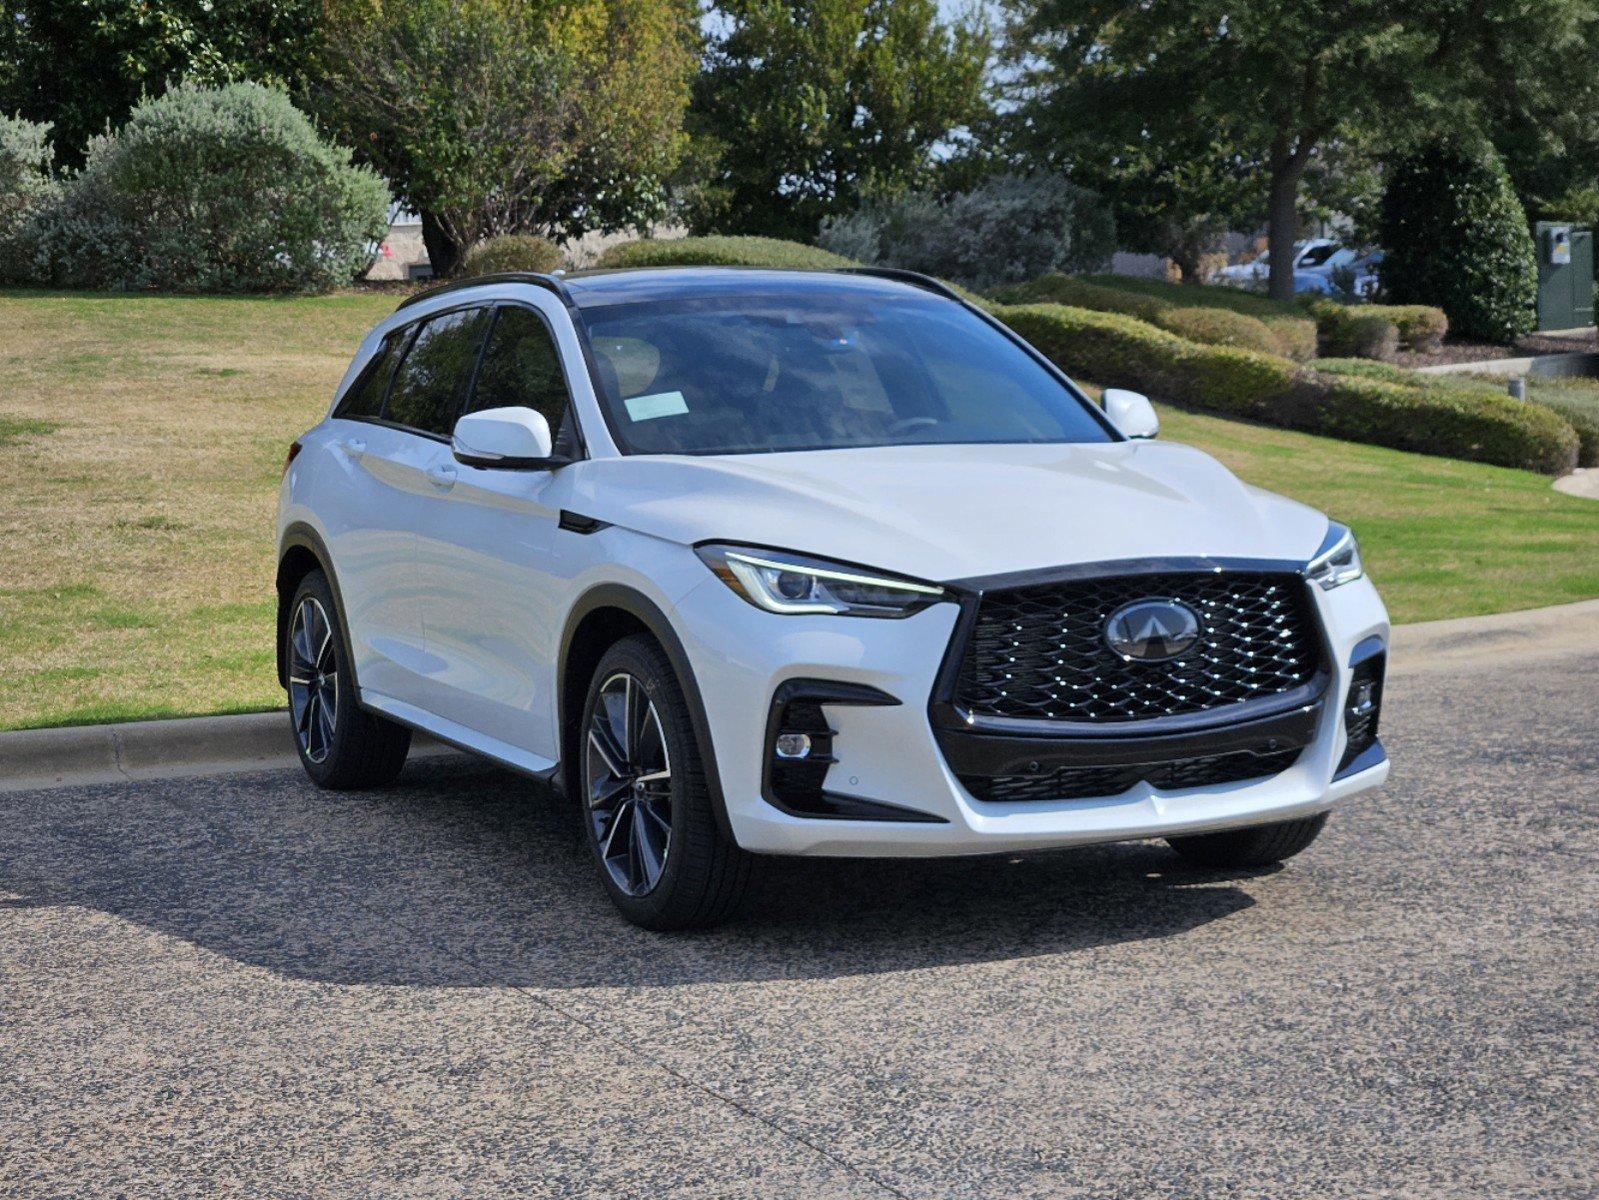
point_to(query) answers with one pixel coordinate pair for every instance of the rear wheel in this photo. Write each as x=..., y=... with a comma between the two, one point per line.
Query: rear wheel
x=647, y=808
x=341, y=744
x=1256, y=846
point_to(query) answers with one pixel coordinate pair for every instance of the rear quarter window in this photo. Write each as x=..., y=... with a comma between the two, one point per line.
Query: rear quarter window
x=365, y=396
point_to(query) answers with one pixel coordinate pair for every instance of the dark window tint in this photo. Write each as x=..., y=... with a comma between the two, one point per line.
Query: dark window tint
x=522, y=369
x=365, y=397
x=433, y=378
x=744, y=373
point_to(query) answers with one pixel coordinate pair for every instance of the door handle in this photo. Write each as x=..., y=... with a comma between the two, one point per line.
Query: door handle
x=441, y=475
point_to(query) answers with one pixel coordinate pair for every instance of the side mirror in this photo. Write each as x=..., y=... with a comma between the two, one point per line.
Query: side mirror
x=1131, y=412
x=503, y=437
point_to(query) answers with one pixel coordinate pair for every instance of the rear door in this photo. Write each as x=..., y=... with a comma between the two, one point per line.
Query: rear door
x=490, y=558
x=400, y=457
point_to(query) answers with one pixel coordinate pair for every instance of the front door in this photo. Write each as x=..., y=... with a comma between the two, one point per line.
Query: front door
x=489, y=564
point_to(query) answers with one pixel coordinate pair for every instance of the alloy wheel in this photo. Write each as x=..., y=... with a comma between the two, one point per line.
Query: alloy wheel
x=629, y=776
x=313, y=679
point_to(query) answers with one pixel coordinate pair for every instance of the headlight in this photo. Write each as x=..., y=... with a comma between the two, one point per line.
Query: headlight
x=1338, y=560
x=787, y=583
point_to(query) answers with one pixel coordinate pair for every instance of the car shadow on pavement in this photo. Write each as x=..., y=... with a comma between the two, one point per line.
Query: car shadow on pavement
x=462, y=875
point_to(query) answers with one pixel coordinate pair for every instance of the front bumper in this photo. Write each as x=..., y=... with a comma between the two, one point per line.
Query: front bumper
x=887, y=754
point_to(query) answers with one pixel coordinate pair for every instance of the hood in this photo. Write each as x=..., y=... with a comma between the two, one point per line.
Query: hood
x=952, y=512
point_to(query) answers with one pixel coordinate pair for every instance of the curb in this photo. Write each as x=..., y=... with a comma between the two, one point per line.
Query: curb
x=135, y=750
x=1559, y=631
x=89, y=754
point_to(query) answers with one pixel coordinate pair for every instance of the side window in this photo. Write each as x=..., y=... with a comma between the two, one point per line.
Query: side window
x=435, y=373
x=365, y=397
x=522, y=369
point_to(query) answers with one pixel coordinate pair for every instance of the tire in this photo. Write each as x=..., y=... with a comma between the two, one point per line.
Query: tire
x=635, y=820
x=356, y=749
x=1255, y=846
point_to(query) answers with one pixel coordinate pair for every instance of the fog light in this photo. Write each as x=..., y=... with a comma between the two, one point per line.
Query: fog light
x=1362, y=697
x=793, y=745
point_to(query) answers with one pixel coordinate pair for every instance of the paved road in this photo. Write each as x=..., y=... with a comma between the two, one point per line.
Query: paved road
x=242, y=987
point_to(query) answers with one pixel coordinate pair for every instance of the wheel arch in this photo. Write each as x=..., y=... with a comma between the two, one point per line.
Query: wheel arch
x=301, y=550
x=600, y=618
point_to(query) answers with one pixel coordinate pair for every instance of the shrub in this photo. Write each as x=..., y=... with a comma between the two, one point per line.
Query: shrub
x=1455, y=235
x=28, y=188
x=1359, y=401
x=1421, y=326
x=1354, y=332
x=512, y=252
x=1579, y=408
x=1195, y=295
x=1292, y=337
x=1220, y=327
x=226, y=189
x=1474, y=425
x=1055, y=288
x=721, y=252
x=1575, y=400
x=1121, y=351
x=1007, y=228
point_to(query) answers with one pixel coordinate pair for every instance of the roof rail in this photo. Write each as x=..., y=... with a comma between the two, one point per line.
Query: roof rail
x=548, y=282
x=915, y=278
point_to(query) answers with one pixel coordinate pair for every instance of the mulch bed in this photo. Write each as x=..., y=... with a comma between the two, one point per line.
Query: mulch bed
x=1537, y=343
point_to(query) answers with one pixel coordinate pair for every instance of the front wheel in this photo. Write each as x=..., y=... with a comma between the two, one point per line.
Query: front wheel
x=647, y=809
x=1256, y=846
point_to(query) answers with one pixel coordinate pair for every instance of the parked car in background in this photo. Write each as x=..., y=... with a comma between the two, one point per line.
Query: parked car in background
x=1346, y=272
x=1254, y=274
x=755, y=562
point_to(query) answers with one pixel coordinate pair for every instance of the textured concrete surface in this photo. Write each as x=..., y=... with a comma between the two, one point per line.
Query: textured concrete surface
x=1583, y=482
x=243, y=987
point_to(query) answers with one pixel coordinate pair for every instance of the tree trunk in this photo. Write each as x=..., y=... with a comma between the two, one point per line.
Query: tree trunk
x=1188, y=261
x=1282, y=216
x=444, y=252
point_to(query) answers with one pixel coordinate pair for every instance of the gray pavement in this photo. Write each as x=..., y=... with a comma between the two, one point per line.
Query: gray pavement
x=239, y=986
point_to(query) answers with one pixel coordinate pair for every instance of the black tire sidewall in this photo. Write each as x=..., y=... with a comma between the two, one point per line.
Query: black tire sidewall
x=648, y=666
x=315, y=586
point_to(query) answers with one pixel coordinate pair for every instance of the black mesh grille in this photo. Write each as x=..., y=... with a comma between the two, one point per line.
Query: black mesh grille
x=1040, y=652
x=1079, y=783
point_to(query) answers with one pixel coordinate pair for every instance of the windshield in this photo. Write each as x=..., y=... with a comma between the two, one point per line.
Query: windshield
x=747, y=373
x=1317, y=255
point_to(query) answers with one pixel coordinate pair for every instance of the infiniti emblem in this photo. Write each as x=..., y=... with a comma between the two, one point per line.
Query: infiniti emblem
x=1152, y=630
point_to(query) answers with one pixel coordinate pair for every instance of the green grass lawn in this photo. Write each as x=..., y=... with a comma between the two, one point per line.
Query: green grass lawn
x=141, y=440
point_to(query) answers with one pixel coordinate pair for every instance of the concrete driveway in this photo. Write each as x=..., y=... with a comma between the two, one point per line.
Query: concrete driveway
x=243, y=987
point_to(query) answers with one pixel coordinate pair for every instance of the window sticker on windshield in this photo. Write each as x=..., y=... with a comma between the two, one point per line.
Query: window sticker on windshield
x=658, y=404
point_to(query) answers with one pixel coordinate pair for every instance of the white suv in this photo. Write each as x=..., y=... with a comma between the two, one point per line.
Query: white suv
x=758, y=562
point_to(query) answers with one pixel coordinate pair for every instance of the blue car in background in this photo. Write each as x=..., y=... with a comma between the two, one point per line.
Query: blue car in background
x=1319, y=278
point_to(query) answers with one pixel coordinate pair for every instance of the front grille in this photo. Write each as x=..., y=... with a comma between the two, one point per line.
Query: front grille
x=1080, y=783
x=1039, y=652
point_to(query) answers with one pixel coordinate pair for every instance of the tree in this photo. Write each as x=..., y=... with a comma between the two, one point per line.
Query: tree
x=495, y=117
x=83, y=64
x=806, y=106
x=1456, y=236
x=1276, y=82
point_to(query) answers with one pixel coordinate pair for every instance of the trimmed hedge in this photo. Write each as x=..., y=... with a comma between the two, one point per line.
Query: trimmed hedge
x=1275, y=333
x=1116, y=350
x=512, y=252
x=1418, y=327
x=1421, y=326
x=721, y=252
x=1575, y=401
x=1356, y=333
x=1220, y=327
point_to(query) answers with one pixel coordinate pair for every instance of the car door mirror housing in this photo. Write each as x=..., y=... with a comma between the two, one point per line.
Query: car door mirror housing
x=1131, y=412
x=504, y=437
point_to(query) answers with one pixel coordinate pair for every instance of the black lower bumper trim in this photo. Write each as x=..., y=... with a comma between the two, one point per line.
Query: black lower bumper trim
x=971, y=753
